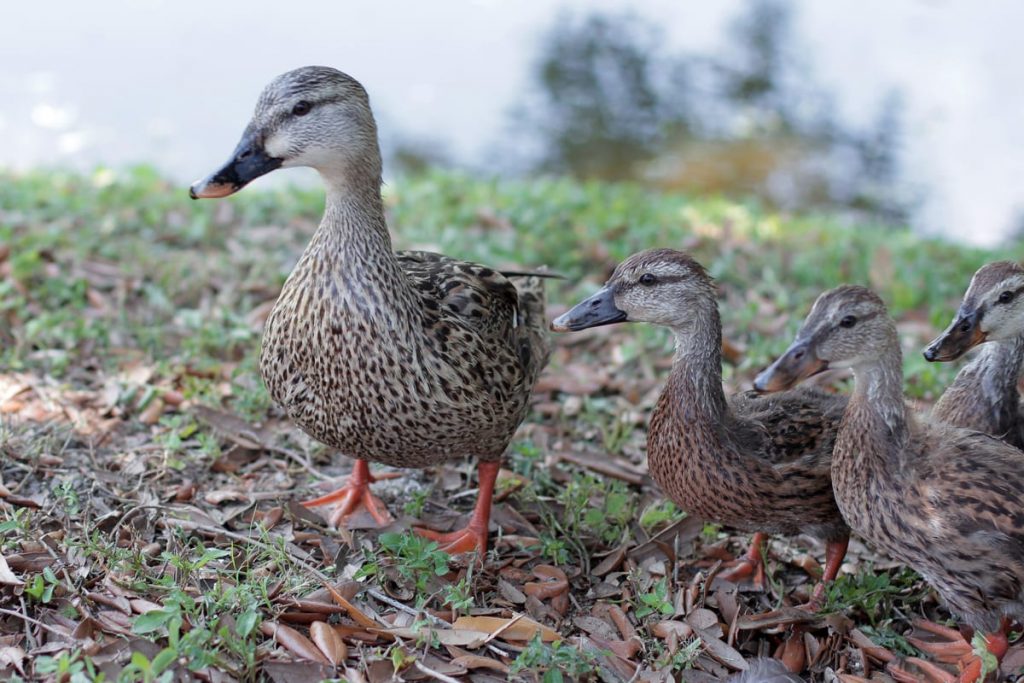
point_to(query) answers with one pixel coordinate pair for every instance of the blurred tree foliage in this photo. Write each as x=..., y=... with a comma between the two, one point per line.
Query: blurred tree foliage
x=612, y=104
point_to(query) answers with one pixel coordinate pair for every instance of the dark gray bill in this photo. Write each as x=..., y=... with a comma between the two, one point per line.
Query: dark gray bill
x=248, y=162
x=598, y=309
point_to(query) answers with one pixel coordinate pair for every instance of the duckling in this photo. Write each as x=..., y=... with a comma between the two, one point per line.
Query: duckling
x=404, y=358
x=754, y=463
x=944, y=500
x=984, y=395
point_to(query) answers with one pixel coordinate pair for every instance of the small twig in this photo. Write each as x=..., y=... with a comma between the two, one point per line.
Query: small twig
x=434, y=674
x=28, y=619
x=28, y=631
x=299, y=459
x=312, y=571
x=376, y=594
x=609, y=469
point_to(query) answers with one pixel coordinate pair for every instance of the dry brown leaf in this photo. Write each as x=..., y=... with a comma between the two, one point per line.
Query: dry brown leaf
x=664, y=629
x=478, y=662
x=7, y=576
x=553, y=582
x=297, y=672
x=329, y=642
x=357, y=614
x=230, y=426
x=702, y=618
x=150, y=415
x=12, y=656
x=720, y=650
x=118, y=602
x=612, y=561
x=458, y=637
x=141, y=606
x=510, y=592
x=294, y=641
x=517, y=628
x=223, y=495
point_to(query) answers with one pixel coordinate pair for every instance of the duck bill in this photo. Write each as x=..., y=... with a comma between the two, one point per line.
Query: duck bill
x=248, y=162
x=960, y=337
x=797, y=364
x=593, y=311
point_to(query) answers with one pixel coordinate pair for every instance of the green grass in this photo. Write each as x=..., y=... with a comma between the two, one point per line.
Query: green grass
x=186, y=274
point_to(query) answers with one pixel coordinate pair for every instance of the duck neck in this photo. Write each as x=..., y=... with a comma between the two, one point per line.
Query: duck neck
x=695, y=382
x=999, y=365
x=354, y=216
x=351, y=250
x=878, y=393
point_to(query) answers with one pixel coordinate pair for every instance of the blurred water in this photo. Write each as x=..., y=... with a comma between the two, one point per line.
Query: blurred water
x=172, y=83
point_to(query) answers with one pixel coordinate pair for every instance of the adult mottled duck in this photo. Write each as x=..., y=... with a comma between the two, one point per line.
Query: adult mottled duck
x=407, y=358
x=751, y=462
x=948, y=502
x=984, y=396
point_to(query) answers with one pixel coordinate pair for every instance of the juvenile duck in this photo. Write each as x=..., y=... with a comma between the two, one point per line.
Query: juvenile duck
x=984, y=395
x=407, y=358
x=948, y=502
x=755, y=463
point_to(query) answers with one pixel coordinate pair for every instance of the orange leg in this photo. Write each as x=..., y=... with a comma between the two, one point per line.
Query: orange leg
x=835, y=552
x=750, y=565
x=355, y=494
x=923, y=671
x=954, y=649
x=958, y=650
x=474, y=535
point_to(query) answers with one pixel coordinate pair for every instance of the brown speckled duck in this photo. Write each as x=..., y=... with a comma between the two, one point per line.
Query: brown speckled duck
x=984, y=396
x=407, y=358
x=948, y=502
x=755, y=463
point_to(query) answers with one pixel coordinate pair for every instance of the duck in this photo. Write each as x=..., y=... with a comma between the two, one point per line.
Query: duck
x=946, y=501
x=751, y=462
x=984, y=395
x=405, y=358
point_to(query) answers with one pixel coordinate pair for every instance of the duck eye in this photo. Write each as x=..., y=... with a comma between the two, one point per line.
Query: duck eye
x=1006, y=297
x=647, y=279
x=301, y=108
x=848, y=321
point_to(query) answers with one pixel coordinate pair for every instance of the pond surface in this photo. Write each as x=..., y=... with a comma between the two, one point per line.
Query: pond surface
x=172, y=83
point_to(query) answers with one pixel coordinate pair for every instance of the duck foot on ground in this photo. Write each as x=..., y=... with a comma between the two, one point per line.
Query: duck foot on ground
x=474, y=535
x=355, y=495
x=835, y=552
x=750, y=566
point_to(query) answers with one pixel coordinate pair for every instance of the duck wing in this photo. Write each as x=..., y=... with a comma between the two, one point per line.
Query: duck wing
x=505, y=309
x=789, y=428
x=477, y=296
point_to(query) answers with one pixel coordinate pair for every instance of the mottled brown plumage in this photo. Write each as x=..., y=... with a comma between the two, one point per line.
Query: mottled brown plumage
x=948, y=502
x=984, y=396
x=754, y=463
x=407, y=358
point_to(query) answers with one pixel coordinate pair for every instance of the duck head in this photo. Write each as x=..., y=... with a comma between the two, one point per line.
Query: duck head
x=314, y=116
x=992, y=310
x=847, y=326
x=659, y=286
